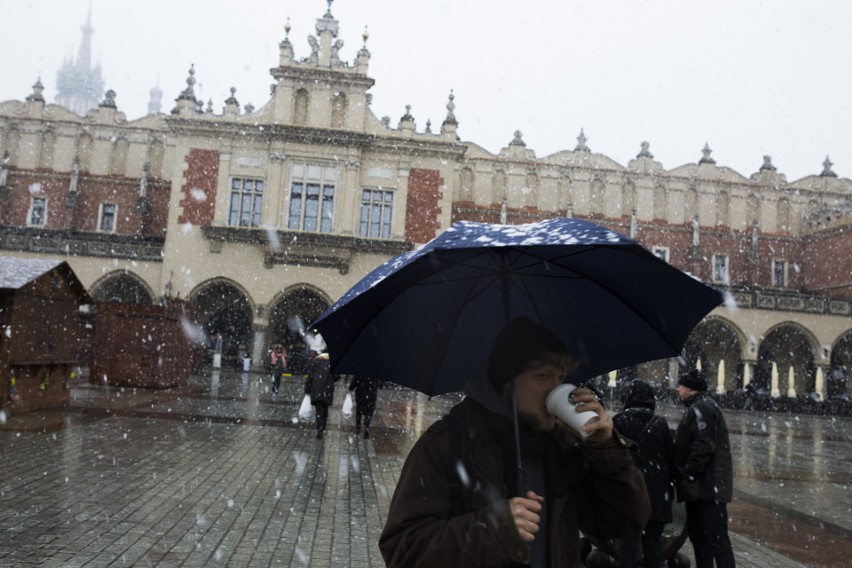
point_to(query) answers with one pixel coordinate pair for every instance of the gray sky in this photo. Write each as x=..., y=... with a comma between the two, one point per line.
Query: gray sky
x=748, y=77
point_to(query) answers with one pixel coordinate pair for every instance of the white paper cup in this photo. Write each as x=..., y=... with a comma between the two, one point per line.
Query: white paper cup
x=559, y=404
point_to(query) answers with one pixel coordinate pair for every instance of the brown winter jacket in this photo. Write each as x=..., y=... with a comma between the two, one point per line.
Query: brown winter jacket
x=607, y=498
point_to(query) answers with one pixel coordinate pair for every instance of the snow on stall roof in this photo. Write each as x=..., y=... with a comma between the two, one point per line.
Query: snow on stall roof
x=16, y=272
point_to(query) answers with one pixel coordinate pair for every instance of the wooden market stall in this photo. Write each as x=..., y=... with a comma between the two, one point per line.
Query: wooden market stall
x=40, y=329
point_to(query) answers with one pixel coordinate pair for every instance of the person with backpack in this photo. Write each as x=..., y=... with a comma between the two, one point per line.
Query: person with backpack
x=460, y=500
x=655, y=458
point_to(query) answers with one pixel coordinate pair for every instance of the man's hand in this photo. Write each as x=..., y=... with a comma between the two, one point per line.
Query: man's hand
x=525, y=512
x=599, y=430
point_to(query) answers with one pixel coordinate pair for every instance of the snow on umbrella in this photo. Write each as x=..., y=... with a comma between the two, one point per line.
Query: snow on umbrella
x=427, y=319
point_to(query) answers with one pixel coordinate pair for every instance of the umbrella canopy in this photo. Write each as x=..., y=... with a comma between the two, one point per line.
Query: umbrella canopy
x=427, y=319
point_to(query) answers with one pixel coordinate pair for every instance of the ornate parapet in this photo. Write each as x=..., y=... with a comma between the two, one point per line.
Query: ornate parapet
x=302, y=248
x=70, y=243
x=790, y=301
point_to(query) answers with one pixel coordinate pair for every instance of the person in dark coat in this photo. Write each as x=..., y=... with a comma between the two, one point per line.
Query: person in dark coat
x=319, y=384
x=705, y=479
x=366, y=391
x=655, y=458
x=459, y=500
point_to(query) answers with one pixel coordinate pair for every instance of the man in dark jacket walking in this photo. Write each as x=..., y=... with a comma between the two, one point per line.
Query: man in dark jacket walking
x=705, y=479
x=366, y=392
x=319, y=384
x=459, y=500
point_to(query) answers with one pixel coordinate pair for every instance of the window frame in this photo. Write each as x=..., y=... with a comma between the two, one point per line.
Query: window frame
x=32, y=209
x=383, y=209
x=726, y=277
x=101, y=211
x=248, y=202
x=784, y=265
x=312, y=190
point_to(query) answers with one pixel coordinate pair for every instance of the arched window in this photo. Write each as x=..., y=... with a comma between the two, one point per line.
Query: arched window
x=300, y=108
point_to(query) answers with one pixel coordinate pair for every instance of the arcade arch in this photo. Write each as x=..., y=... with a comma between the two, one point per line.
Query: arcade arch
x=223, y=308
x=291, y=312
x=717, y=345
x=787, y=361
x=122, y=287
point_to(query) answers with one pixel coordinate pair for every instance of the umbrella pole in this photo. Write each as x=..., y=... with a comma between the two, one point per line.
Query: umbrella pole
x=521, y=489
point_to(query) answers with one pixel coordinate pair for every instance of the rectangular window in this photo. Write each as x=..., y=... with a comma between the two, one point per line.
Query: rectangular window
x=779, y=273
x=246, y=202
x=661, y=253
x=38, y=212
x=107, y=218
x=376, y=212
x=312, y=190
x=720, y=268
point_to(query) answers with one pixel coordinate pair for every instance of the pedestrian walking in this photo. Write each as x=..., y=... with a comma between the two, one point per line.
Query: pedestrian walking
x=366, y=391
x=655, y=458
x=704, y=472
x=275, y=366
x=319, y=384
x=460, y=501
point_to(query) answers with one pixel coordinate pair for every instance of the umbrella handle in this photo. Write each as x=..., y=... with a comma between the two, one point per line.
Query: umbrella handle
x=521, y=487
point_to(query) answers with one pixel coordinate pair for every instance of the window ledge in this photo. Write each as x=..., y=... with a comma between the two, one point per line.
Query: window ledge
x=303, y=248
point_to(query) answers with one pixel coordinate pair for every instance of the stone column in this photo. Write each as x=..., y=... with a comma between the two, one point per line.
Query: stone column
x=791, y=382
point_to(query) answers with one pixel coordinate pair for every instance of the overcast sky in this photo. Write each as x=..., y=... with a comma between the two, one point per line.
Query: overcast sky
x=750, y=78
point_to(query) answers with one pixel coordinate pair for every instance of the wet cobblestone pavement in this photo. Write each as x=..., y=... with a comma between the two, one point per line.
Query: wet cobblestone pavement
x=221, y=473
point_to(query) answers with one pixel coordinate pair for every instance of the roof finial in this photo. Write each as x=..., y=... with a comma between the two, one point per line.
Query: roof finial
x=518, y=139
x=826, y=169
x=189, y=93
x=37, y=95
x=328, y=13
x=645, y=152
x=705, y=155
x=287, y=28
x=451, y=106
x=581, y=143
x=365, y=36
x=767, y=164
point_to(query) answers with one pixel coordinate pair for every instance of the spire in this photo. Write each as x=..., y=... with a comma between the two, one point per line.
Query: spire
x=826, y=169
x=581, y=143
x=705, y=155
x=84, y=55
x=155, y=103
x=188, y=94
x=80, y=86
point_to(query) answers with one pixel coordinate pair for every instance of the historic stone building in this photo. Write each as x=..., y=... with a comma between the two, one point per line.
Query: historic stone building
x=262, y=218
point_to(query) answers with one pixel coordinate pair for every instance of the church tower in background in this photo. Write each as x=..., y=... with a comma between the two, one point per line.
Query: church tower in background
x=79, y=85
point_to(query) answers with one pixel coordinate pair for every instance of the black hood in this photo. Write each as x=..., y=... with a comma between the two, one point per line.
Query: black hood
x=639, y=394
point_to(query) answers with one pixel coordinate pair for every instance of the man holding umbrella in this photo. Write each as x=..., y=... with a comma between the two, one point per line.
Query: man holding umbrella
x=461, y=500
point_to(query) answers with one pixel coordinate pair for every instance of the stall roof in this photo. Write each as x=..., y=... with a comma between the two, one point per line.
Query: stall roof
x=16, y=272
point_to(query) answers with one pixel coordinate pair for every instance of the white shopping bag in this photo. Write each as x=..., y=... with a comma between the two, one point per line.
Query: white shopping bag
x=347, y=406
x=305, y=409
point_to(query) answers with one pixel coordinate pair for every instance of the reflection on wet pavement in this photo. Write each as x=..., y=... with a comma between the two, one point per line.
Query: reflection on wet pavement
x=792, y=473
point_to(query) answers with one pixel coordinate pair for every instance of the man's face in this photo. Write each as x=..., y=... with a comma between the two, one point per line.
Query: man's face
x=684, y=392
x=531, y=389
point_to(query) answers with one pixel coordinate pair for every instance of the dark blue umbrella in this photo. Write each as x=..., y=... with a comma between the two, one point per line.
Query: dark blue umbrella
x=427, y=319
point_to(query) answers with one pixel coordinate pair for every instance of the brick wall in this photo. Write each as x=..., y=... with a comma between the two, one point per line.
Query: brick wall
x=92, y=192
x=829, y=262
x=421, y=214
x=199, y=190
